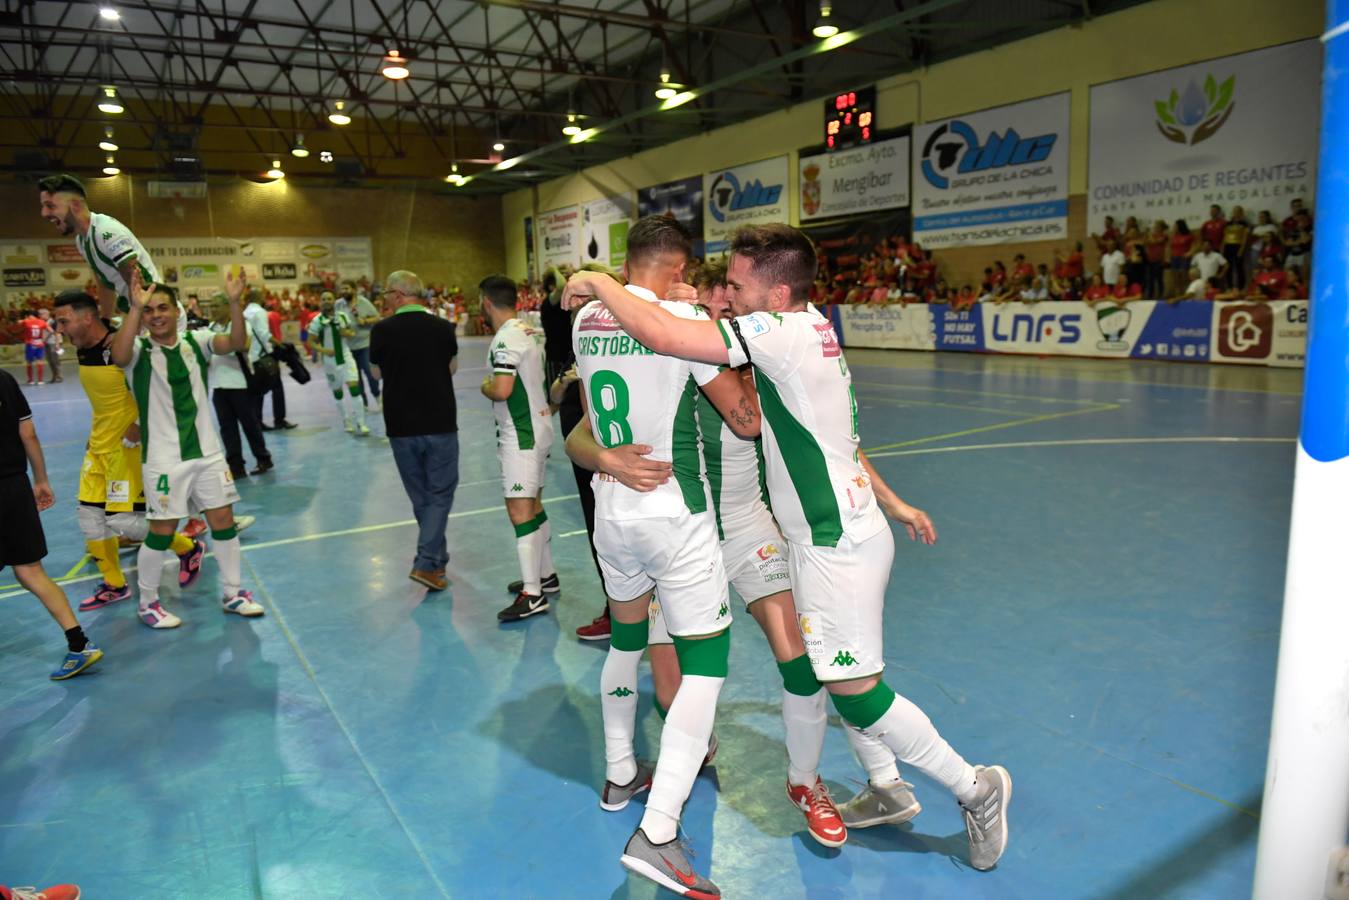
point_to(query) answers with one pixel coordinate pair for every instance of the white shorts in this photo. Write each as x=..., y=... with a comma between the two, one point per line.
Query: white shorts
x=171, y=492
x=756, y=557
x=680, y=557
x=339, y=376
x=522, y=471
x=840, y=599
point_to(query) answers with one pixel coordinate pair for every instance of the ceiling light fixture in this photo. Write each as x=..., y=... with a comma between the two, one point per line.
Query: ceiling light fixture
x=108, y=143
x=110, y=104
x=667, y=89
x=111, y=167
x=511, y=163
x=584, y=135
x=499, y=146
x=395, y=67
x=275, y=171
x=325, y=156
x=299, y=151
x=679, y=99
x=337, y=116
x=108, y=14
x=825, y=28
x=571, y=127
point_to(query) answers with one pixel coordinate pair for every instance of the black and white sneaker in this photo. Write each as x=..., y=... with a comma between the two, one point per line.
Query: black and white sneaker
x=525, y=605
x=550, y=585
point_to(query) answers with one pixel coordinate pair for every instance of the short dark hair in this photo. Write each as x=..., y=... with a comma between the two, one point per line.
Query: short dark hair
x=655, y=234
x=499, y=291
x=156, y=287
x=779, y=254
x=710, y=275
x=62, y=183
x=77, y=300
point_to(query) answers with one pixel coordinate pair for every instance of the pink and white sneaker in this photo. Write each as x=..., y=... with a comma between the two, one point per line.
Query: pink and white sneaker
x=105, y=595
x=157, y=616
x=189, y=565
x=242, y=604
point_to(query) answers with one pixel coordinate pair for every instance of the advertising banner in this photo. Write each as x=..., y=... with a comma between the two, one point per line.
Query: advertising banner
x=1239, y=130
x=847, y=182
x=25, y=277
x=993, y=177
x=70, y=276
x=557, y=238
x=752, y=194
x=604, y=231
x=890, y=327
x=1264, y=334
x=682, y=199
x=21, y=254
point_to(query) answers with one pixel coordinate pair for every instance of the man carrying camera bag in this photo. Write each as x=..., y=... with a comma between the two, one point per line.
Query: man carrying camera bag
x=236, y=379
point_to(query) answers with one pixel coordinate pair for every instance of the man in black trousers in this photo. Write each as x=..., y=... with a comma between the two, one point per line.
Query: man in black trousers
x=233, y=402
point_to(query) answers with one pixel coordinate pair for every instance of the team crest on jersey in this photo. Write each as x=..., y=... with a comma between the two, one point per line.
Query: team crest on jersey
x=829, y=347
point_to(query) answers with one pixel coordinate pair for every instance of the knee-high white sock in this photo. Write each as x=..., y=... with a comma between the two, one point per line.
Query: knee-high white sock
x=546, y=566
x=225, y=545
x=805, y=720
x=343, y=405
x=529, y=550
x=910, y=735
x=683, y=745
x=877, y=759
x=150, y=561
x=355, y=405
x=618, y=706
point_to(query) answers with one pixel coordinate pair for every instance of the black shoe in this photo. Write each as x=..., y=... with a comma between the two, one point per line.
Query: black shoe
x=525, y=605
x=550, y=585
x=283, y=425
x=263, y=468
x=266, y=427
x=238, y=473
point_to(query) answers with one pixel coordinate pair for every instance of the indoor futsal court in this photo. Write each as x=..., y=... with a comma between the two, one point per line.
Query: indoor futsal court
x=1100, y=615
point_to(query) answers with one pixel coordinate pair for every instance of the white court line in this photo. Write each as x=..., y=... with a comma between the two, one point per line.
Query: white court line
x=1088, y=442
x=15, y=591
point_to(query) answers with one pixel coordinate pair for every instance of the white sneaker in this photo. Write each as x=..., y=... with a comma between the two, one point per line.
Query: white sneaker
x=242, y=604
x=157, y=616
x=351, y=426
x=242, y=522
x=363, y=431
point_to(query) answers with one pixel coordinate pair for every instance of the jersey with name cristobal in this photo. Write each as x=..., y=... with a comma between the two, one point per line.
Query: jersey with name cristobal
x=169, y=383
x=818, y=487
x=636, y=396
x=523, y=419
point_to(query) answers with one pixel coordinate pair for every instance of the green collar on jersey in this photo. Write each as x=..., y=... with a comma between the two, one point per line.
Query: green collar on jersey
x=411, y=307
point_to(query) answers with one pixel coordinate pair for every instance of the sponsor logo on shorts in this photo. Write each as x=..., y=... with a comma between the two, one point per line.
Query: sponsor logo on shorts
x=721, y=613
x=861, y=481
x=844, y=658
x=805, y=624
x=621, y=692
x=767, y=551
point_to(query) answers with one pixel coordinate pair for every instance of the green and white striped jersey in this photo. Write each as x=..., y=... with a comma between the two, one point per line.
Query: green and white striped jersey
x=108, y=244
x=169, y=384
x=734, y=469
x=327, y=331
x=517, y=349
x=816, y=483
x=636, y=396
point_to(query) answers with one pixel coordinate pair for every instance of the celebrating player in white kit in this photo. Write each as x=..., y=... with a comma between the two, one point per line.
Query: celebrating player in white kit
x=519, y=393
x=329, y=336
x=664, y=539
x=183, y=462
x=826, y=496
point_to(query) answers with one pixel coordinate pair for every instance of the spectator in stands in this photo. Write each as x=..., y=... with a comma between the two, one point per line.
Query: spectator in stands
x=1299, y=247
x=1295, y=288
x=1263, y=234
x=1194, y=291
x=1112, y=262
x=1156, y=247
x=53, y=345
x=999, y=276
x=1096, y=291
x=1269, y=281
x=1236, y=237
x=1034, y=290
x=1108, y=233
x=965, y=298
x=1126, y=290
x=1182, y=251
x=1212, y=230
x=1021, y=269
x=1136, y=265
x=1210, y=263
x=1133, y=236
x=1290, y=224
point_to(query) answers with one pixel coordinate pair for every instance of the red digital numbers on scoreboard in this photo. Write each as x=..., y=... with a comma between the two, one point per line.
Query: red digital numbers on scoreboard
x=849, y=118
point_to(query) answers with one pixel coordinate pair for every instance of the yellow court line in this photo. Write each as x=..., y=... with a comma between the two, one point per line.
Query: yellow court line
x=919, y=387
x=905, y=402
x=75, y=568
x=999, y=425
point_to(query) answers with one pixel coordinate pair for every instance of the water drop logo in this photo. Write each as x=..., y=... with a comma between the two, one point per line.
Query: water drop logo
x=1193, y=115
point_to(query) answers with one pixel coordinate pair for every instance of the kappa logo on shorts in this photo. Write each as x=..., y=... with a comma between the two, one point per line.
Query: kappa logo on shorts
x=621, y=692
x=721, y=613
x=517, y=487
x=844, y=658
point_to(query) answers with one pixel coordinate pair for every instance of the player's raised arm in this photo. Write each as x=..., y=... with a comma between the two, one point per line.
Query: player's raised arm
x=125, y=337
x=655, y=328
x=237, y=338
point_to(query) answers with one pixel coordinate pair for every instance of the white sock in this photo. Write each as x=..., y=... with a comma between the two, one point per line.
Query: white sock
x=527, y=551
x=875, y=757
x=228, y=557
x=910, y=735
x=805, y=719
x=356, y=406
x=683, y=746
x=149, y=568
x=341, y=398
x=618, y=707
x=546, y=566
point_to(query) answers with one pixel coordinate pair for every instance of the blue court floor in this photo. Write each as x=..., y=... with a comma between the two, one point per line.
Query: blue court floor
x=1100, y=616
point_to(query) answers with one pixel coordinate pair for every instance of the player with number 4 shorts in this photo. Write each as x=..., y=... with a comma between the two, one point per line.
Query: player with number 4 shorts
x=182, y=460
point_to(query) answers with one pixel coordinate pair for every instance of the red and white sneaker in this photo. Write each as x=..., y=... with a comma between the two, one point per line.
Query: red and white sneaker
x=599, y=629
x=822, y=819
x=157, y=616
x=242, y=604
x=189, y=565
x=194, y=528
x=105, y=595
x=55, y=892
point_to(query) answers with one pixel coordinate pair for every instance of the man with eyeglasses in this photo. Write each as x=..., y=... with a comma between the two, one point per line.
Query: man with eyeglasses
x=415, y=355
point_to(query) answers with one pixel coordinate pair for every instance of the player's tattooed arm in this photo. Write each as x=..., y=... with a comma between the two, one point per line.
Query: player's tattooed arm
x=654, y=327
x=915, y=521
x=727, y=393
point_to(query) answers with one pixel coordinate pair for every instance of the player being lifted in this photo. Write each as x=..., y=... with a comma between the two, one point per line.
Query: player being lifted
x=825, y=494
x=516, y=386
x=181, y=454
x=664, y=539
x=329, y=335
x=111, y=497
